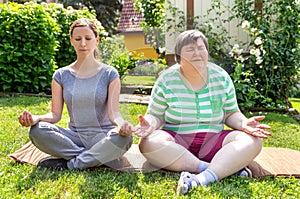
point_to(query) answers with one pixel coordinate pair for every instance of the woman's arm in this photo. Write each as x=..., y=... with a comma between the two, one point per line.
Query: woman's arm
x=113, y=102
x=125, y=128
x=234, y=119
x=237, y=120
x=27, y=119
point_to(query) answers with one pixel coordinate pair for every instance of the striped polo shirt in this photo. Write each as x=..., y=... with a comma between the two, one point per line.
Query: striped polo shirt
x=185, y=111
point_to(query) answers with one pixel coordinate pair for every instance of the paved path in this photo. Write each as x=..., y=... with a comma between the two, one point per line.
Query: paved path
x=135, y=98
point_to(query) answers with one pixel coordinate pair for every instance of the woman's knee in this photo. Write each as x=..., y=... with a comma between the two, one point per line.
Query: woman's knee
x=258, y=143
x=121, y=141
x=143, y=145
x=253, y=143
x=34, y=131
x=127, y=142
x=154, y=140
x=38, y=130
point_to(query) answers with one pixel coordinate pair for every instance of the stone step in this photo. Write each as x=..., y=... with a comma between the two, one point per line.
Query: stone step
x=136, y=89
x=135, y=98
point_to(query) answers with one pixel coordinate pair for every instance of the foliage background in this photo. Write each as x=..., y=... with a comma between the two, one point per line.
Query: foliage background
x=266, y=71
x=34, y=42
x=114, y=53
x=107, y=11
x=27, y=47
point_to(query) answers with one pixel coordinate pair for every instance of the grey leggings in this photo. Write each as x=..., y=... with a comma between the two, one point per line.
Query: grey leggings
x=82, y=151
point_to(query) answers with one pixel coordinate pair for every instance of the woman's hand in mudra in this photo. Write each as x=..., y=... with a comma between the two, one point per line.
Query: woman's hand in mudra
x=27, y=119
x=144, y=128
x=253, y=127
x=126, y=129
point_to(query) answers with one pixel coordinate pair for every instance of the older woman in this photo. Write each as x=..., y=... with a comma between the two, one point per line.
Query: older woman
x=183, y=129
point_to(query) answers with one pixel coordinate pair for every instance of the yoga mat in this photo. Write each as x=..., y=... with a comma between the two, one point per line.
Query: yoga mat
x=270, y=162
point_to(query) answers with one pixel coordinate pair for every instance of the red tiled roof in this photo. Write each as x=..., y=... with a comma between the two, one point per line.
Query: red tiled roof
x=130, y=18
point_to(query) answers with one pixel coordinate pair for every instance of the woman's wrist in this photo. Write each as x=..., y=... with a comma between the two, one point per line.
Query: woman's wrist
x=119, y=121
x=235, y=120
x=153, y=121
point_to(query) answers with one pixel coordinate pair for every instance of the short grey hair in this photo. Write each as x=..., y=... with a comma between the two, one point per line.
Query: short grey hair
x=188, y=37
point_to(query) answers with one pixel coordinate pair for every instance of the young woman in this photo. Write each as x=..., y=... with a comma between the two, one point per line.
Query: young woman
x=97, y=133
x=183, y=129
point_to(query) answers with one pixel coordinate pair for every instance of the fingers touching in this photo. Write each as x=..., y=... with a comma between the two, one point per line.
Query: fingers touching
x=26, y=118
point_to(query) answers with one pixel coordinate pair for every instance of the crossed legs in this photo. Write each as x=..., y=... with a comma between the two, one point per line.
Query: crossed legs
x=63, y=143
x=238, y=150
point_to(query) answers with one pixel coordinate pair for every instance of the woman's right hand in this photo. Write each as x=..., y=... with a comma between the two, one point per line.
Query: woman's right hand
x=27, y=119
x=144, y=128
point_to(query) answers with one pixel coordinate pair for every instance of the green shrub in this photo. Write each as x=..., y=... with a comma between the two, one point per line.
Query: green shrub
x=114, y=53
x=27, y=47
x=272, y=57
x=34, y=41
x=152, y=67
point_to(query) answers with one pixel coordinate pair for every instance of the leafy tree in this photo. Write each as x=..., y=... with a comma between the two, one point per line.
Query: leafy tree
x=107, y=11
x=114, y=53
x=154, y=14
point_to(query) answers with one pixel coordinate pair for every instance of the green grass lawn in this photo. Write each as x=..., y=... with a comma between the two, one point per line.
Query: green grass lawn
x=26, y=181
x=136, y=80
x=295, y=103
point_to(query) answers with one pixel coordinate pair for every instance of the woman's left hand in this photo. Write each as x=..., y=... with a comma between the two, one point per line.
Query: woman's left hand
x=126, y=129
x=253, y=127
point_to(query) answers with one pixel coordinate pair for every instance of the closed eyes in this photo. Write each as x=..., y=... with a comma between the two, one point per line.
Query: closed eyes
x=87, y=38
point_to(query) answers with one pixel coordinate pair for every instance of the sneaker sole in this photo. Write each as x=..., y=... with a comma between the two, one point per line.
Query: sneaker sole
x=249, y=172
x=180, y=187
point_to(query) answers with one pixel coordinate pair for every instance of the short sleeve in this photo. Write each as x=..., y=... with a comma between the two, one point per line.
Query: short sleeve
x=158, y=104
x=57, y=76
x=112, y=73
x=230, y=104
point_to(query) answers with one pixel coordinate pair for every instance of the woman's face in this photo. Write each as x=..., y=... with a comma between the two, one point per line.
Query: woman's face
x=194, y=54
x=84, y=41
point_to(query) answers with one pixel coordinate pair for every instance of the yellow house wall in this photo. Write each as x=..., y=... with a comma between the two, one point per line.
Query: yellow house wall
x=136, y=42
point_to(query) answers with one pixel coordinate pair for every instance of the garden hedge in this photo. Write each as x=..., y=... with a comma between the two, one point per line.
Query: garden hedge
x=34, y=41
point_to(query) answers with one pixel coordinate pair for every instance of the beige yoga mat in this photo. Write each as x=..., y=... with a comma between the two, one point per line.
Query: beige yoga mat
x=270, y=162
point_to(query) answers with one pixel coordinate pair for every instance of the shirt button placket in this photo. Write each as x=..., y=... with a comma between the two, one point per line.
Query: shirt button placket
x=198, y=106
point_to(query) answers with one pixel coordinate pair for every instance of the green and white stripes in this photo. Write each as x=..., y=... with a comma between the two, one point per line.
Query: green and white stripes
x=186, y=111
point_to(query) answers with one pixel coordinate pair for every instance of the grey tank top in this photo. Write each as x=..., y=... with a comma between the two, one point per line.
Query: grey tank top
x=86, y=99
